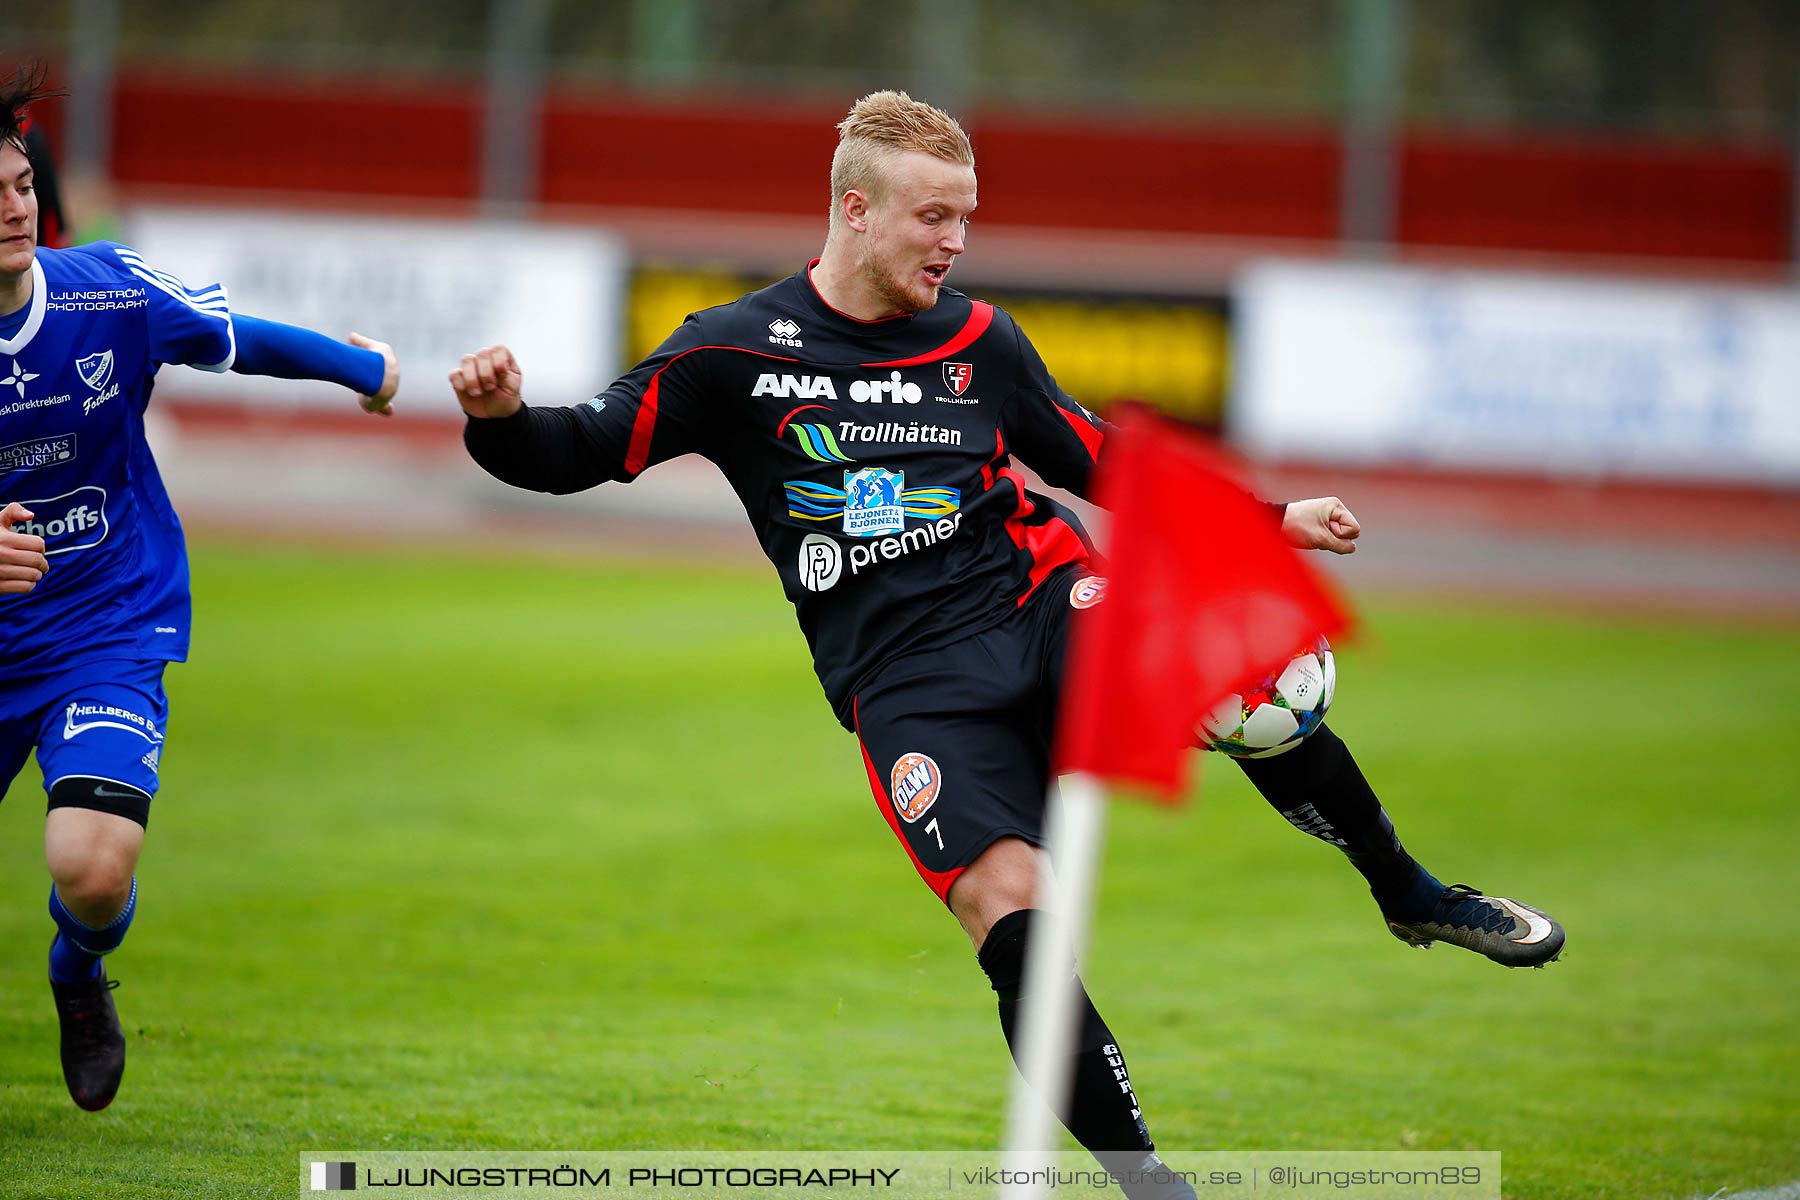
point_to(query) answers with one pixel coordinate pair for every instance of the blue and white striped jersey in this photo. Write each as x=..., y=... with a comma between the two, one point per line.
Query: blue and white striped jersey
x=75, y=379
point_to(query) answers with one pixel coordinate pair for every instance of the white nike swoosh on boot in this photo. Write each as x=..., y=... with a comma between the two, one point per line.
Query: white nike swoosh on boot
x=1539, y=926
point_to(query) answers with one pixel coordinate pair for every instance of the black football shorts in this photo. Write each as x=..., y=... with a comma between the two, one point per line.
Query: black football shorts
x=957, y=739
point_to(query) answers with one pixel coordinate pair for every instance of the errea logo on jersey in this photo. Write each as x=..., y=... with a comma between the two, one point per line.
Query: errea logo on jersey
x=795, y=387
x=784, y=332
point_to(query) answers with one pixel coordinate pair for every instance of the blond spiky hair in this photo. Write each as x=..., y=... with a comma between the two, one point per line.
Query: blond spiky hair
x=882, y=123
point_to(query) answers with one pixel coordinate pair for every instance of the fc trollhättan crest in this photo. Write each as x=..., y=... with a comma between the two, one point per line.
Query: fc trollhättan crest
x=957, y=377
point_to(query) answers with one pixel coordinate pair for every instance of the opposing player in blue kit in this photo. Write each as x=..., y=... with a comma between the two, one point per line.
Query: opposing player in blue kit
x=93, y=569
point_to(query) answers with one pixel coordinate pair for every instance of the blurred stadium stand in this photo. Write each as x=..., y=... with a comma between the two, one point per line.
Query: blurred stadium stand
x=1134, y=157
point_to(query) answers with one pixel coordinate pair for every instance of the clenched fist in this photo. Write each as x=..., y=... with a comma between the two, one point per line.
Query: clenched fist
x=487, y=383
x=1321, y=524
x=22, y=561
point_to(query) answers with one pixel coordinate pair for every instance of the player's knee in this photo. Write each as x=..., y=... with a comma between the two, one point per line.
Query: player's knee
x=1002, y=880
x=1003, y=953
x=90, y=847
x=96, y=888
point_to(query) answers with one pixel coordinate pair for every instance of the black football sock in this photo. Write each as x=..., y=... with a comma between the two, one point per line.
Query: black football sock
x=1319, y=788
x=1102, y=1110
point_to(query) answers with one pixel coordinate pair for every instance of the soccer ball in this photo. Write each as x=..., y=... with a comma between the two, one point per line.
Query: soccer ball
x=1277, y=712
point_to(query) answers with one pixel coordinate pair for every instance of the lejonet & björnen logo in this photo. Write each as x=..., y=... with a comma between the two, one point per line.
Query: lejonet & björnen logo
x=872, y=502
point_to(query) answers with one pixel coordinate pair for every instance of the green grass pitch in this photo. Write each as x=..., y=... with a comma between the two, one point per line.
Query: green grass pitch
x=469, y=852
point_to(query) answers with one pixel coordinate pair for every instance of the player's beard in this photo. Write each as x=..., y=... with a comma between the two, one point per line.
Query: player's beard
x=880, y=277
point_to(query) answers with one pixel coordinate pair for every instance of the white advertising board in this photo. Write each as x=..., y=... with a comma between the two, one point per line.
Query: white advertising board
x=434, y=290
x=1398, y=366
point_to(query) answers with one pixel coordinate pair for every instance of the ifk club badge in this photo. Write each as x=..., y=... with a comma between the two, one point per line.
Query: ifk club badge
x=96, y=369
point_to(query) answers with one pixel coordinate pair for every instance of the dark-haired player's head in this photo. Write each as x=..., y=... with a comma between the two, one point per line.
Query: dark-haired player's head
x=17, y=95
x=18, y=199
x=902, y=189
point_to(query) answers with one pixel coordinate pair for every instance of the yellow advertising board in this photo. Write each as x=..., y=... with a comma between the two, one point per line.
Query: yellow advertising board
x=1172, y=354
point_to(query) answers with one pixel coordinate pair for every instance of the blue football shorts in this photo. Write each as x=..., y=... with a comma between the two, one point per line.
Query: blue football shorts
x=100, y=720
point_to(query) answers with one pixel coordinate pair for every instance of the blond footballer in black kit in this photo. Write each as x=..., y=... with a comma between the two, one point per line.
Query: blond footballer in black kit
x=868, y=418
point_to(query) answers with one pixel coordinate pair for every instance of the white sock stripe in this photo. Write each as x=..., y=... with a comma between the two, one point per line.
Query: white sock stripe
x=124, y=913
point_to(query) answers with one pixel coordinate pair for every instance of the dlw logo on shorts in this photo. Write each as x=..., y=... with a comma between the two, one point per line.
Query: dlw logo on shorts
x=915, y=782
x=72, y=521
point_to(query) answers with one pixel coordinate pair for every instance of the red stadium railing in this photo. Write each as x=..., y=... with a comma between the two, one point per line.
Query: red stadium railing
x=420, y=139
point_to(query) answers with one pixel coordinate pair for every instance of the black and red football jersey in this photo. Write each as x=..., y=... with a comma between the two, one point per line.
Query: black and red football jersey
x=873, y=458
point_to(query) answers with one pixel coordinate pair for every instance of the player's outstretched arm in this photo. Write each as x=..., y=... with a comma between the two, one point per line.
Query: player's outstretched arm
x=658, y=410
x=1325, y=523
x=488, y=383
x=22, y=561
x=364, y=365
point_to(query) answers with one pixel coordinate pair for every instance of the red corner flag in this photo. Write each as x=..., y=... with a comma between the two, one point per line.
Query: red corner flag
x=1203, y=593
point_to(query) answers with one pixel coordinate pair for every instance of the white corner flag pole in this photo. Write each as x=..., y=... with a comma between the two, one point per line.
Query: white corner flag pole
x=1075, y=832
